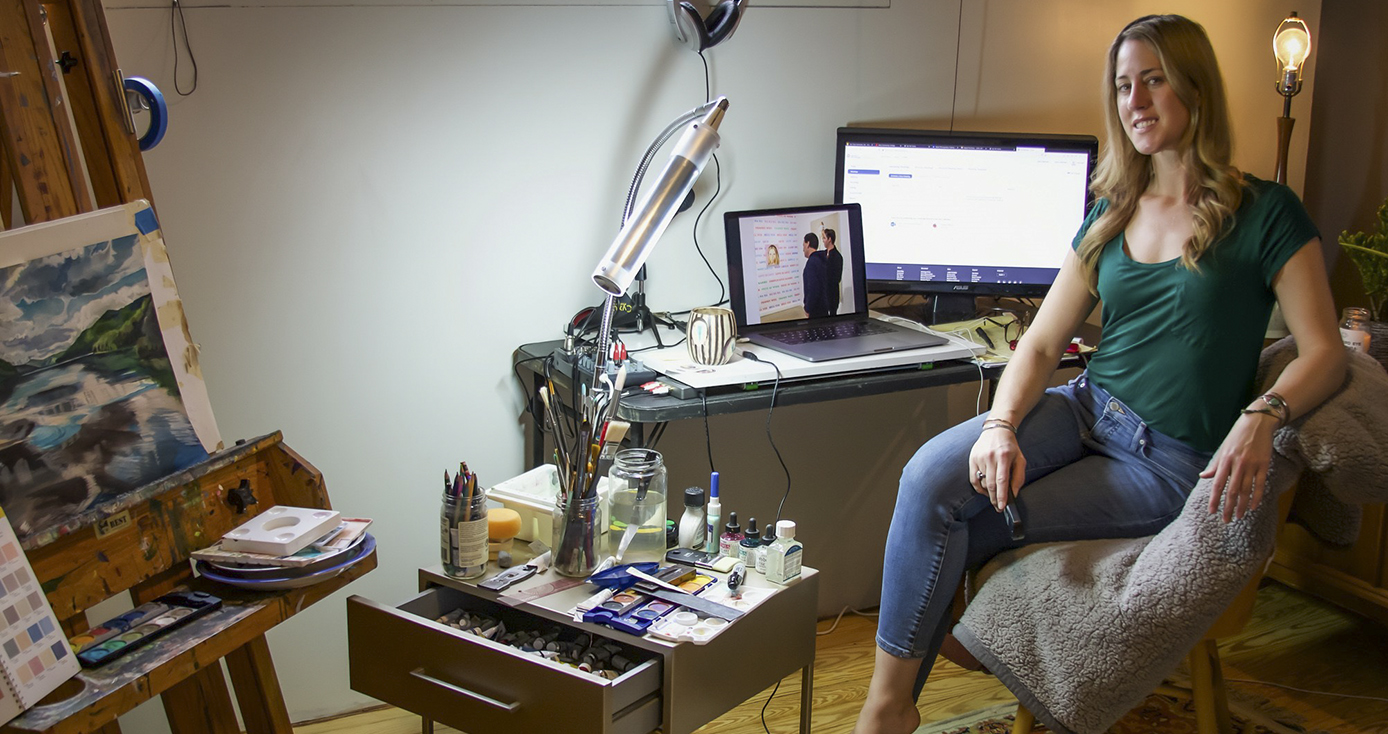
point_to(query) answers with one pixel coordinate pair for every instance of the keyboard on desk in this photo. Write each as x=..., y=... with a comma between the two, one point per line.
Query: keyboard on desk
x=833, y=331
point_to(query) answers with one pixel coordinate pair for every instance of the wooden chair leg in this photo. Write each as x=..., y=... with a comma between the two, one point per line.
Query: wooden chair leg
x=1023, y=721
x=1207, y=685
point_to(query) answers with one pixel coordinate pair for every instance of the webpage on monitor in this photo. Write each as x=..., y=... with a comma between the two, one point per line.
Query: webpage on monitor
x=965, y=214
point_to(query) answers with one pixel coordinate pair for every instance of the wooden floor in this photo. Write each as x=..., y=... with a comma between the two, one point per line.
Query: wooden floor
x=1293, y=639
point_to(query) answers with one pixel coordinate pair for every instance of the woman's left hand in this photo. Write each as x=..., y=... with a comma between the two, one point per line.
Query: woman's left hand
x=1240, y=466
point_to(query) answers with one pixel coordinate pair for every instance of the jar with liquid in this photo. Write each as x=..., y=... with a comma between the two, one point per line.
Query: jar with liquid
x=1354, y=329
x=636, y=529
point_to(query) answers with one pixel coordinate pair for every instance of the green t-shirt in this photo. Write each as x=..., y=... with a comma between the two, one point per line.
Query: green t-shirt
x=1181, y=348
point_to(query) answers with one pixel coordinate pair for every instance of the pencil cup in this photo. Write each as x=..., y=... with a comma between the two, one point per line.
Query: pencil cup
x=463, y=537
x=577, y=536
x=711, y=335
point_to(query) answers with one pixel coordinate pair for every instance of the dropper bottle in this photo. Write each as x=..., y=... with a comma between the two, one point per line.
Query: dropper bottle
x=714, y=514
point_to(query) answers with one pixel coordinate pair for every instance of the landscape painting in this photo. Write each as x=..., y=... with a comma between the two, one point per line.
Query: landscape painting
x=90, y=401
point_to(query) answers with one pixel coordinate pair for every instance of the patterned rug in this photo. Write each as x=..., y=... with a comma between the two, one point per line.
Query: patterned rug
x=1159, y=714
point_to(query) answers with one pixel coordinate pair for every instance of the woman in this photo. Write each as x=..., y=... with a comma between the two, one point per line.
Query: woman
x=1187, y=256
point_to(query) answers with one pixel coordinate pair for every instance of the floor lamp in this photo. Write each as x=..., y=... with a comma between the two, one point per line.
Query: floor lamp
x=1292, y=45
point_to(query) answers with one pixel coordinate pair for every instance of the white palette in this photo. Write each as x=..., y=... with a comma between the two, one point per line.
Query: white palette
x=281, y=530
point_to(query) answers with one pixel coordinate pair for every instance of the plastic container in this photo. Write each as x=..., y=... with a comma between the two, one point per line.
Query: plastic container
x=783, y=557
x=692, y=524
x=532, y=494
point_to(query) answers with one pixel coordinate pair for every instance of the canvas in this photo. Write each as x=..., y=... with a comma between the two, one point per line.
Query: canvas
x=100, y=388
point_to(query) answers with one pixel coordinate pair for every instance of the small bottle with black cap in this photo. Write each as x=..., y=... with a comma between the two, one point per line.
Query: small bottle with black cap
x=731, y=537
x=751, y=541
x=768, y=537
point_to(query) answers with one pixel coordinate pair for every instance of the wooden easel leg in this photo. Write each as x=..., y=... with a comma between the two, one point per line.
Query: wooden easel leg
x=201, y=704
x=1207, y=684
x=6, y=193
x=1023, y=720
x=258, y=688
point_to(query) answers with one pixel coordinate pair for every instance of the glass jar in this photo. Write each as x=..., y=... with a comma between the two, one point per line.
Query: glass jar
x=637, y=511
x=1354, y=329
x=577, y=536
x=463, y=537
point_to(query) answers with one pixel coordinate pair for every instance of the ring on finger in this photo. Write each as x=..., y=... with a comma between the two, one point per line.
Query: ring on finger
x=981, y=476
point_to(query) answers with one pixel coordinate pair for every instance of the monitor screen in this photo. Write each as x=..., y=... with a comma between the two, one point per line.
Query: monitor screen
x=964, y=213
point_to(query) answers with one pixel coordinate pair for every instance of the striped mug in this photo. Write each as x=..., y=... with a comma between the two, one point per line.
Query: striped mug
x=711, y=335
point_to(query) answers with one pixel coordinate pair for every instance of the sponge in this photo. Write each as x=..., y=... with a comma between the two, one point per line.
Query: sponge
x=503, y=523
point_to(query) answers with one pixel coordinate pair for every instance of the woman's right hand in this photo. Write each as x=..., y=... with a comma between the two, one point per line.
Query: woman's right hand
x=997, y=468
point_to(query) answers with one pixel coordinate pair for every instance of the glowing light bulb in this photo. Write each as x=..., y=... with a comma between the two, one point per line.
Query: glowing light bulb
x=1293, y=46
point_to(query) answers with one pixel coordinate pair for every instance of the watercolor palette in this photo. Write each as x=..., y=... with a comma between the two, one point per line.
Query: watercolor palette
x=281, y=530
x=140, y=626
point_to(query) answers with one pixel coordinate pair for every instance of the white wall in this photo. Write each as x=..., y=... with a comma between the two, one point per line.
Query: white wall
x=368, y=206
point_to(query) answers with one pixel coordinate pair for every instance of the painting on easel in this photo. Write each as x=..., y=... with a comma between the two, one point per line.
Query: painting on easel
x=100, y=389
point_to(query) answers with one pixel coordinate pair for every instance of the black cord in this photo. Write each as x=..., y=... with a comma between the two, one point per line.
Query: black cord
x=958, y=36
x=530, y=401
x=768, y=703
x=177, y=7
x=769, y=409
x=717, y=188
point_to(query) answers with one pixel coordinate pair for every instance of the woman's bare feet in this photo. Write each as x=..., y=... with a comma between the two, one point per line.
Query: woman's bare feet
x=890, y=708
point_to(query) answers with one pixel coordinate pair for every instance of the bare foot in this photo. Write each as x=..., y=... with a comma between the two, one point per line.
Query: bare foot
x=887, y=719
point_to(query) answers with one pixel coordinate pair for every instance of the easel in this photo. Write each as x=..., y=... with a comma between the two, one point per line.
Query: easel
x=69, y=148
x=69, y=144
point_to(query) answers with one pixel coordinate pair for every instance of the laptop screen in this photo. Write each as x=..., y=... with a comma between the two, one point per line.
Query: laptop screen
x=796, y=264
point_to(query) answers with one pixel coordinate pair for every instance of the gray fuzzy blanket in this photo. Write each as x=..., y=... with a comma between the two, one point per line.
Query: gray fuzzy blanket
x=1082, y=632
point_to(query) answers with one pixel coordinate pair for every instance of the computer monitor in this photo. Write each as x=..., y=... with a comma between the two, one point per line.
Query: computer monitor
x=956, y=215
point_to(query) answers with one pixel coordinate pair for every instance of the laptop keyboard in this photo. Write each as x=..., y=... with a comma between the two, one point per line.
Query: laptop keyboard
x=826, y=333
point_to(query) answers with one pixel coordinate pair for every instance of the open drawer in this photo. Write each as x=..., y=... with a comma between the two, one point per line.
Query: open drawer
x=400, y=655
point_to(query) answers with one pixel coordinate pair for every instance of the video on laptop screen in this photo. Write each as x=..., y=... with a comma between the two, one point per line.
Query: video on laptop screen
x=793, y=264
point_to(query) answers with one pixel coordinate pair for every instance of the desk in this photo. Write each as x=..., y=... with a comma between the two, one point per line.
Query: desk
x=643, y=409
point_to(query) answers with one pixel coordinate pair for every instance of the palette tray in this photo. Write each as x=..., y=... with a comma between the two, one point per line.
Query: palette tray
x=281, y=530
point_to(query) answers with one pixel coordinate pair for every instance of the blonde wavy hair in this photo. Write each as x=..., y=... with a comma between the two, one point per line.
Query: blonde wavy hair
x=1123, y=174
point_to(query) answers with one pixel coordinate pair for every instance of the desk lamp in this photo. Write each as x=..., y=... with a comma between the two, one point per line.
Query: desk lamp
x=1292, y=45
x=644, y=223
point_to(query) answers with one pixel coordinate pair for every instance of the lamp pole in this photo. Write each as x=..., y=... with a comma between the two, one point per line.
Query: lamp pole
x=1291, y=45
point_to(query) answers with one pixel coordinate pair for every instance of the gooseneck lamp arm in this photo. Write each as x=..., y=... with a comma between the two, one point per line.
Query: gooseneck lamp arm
x=646, y=222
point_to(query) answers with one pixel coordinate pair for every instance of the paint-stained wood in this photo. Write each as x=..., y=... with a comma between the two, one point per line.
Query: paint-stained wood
x=148, y=555
x=119, y=687
x=77, y=78
x=168, y=520
x=33, y=133
x=258, y=688
x=122, y=148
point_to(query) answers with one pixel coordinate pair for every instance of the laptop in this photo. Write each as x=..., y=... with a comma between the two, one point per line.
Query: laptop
x=810, y=302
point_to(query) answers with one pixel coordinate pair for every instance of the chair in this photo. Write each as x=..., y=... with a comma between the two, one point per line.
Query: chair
x=1207, y=681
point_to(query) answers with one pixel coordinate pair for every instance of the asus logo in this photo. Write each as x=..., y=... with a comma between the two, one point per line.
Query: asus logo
x=961, y=287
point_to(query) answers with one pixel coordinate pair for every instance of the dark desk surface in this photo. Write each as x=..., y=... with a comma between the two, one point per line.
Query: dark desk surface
x=733, y=399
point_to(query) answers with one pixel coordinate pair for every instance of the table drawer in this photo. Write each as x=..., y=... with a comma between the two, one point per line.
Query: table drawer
x=400, y=655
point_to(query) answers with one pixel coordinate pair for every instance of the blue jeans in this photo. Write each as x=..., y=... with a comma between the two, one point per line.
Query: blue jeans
x=1094, y=470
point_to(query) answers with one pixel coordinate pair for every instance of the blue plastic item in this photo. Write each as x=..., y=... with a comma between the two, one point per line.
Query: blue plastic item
x=158, y=110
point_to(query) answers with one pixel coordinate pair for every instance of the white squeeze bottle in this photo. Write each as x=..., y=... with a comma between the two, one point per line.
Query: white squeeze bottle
x=713, y=515
x=693, y=533
x=783, y=557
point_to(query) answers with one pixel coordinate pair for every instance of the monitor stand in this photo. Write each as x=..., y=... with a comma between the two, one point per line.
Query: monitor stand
x=948, y=308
